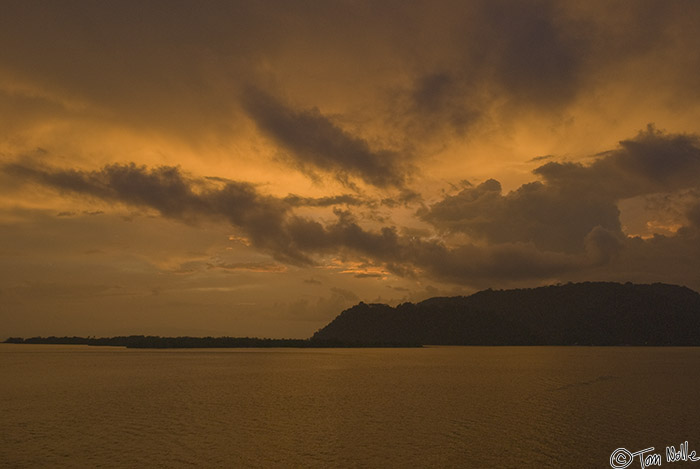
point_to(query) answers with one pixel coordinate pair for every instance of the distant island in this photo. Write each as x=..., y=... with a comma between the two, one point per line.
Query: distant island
x=157, y=342
x=590, y=313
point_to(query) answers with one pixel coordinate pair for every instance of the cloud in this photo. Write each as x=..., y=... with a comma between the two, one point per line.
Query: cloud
x=567, y=223
x=368, y=275
x=179, y=70
x=271, y=225
x=486, y=265
x=501, y=57
x=405, y=198
x=603, y=245
x=168, y=191
x=439, y=99
x=651, y=162
x=540, y=158
x=552, y=218
x=694, y=216
x=268, y=222
x=344, y=199
x=315, y=142
x=538, y=60
x=411, y=256
x=574, y=204
x=500, y=62
x=248, y=266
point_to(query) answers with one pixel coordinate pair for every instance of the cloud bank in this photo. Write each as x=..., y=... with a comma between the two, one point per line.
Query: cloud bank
x=270, y=224
x=574, y=203
x=566, y=223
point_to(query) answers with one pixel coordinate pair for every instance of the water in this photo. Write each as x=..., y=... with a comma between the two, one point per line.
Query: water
x=79, y=406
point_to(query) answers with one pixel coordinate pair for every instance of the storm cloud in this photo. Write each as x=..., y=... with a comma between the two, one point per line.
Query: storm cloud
x=574, y=203
x=651, y=162
x=315, y=142
x=565, y=223
x=501, y=61
x=526, y=54
x=270, y=224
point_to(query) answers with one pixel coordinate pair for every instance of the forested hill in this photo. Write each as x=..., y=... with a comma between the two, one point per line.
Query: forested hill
x=573, y=314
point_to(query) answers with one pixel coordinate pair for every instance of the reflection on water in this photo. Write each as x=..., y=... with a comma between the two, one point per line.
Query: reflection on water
x=432, y=407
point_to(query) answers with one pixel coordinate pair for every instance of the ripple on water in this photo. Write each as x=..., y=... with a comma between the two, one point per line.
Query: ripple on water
x=431, y=407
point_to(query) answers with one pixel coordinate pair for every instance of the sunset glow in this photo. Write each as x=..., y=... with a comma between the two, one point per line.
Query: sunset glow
x=254, y=168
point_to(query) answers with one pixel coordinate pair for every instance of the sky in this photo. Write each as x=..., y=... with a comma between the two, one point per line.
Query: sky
x=253, y=168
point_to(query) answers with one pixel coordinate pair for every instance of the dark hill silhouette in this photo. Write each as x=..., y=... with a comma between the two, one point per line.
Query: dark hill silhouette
x=574, y=314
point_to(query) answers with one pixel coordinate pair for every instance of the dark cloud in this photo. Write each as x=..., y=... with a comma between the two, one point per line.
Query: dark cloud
x=603, y=245
x=249, y=266
x=574, y=204
x=553, y=218
x=440, y=98
x=179, y=69
x=503, y=60
x=344, y=199
x=567, y=223
x=162, y=188
x=529, y=50
x=651, y=162
x=670, y=259
x=368, y=275
x=168, y=191
x=485, y=265
x=271, y=225
x=693, y=215
x=162, y=66
x=432, y=91
x=540, y=158
x=410, y=256
x=315, y=142
x=504, y=55
x=405, y=198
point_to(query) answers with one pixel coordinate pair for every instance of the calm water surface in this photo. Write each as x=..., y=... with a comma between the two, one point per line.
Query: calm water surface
x=79, y=406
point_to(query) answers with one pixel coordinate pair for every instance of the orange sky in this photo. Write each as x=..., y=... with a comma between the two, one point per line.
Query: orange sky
x=254, y=168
